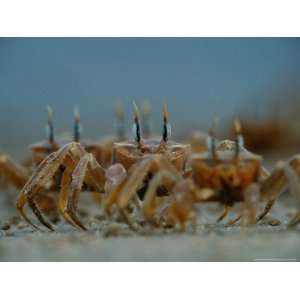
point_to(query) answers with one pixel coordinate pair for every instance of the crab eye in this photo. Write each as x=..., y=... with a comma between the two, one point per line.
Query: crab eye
x=166, y=133
x=136, y=125
x=50, y=128
x=77, y=125
x=136, y=131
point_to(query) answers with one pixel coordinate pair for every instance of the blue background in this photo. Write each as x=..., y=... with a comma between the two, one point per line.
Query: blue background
x=199, y=77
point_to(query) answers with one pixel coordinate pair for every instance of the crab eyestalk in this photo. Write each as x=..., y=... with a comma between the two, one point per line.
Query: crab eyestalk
x=166, y=131
x=77, y=127
x=137, y=126
x=120, y=121
x=212, y=140
x=146, y=111
x=50, y=127
x=239, y=140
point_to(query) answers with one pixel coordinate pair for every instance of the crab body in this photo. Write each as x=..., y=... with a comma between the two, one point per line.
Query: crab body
x=229, y=178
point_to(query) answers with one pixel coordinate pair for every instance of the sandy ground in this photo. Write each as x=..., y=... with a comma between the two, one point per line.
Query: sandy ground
x=114, y=241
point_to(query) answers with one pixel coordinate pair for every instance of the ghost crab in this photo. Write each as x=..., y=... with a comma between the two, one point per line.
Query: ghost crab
x=232, y=174
x=149, y=167
x=61, y=163
x=229, y=174
x=268, y=186
x=76, y=166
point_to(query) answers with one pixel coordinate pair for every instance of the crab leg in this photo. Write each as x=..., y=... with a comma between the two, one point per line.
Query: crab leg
x=234, y=221
x=226, y=210
x=35, y=209
x=95, y=175
x=25, y=217
x=63, y=196
x=78, y=176
x=139, y=174
x=286, y=175
x=131, y=186
x=165, y=164
x=294, y=188
x=124, y=213
x=87, y=170
x=135, y=180
x=149, y=206
x=67, y=156
x=271, y=188
x=37, y=181
x=266, y=210
x=113, y=196
x=251, y=197
x=295, y=220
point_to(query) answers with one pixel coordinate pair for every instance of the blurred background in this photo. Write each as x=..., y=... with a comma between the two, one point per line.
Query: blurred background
x=254, y=79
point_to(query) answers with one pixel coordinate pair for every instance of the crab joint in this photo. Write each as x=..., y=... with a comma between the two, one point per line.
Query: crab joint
x=50, y=128
x=166, y=132
x=77, y=128
x=136, y=125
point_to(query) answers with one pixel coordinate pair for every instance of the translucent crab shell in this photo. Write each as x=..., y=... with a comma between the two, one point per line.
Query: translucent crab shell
x=42, y=149
x=241, y=171
x=130, y=152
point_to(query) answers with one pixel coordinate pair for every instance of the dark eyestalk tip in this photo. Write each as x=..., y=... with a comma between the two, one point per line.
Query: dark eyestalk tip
x=166, y=131
x=77, y=127
x=50, y=126
x=136, y=125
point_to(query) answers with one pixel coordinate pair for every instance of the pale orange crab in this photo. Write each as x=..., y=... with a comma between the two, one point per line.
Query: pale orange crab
x=56, y=161
x=142, y=162
x=241, y=178
x=229, y=174
x=76, y=167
